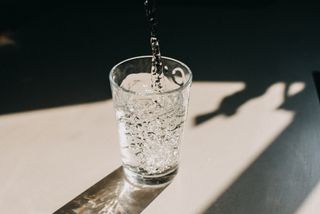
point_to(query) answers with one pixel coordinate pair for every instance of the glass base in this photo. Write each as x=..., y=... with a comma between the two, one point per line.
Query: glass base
x=155, y=180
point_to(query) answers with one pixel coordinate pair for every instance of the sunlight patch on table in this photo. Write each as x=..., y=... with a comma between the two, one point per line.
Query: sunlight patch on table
x=216, y=152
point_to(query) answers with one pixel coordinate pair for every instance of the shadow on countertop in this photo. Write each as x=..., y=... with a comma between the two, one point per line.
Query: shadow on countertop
x=112, y=194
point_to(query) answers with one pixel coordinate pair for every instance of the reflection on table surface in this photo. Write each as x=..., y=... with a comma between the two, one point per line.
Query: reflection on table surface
x=113, y=194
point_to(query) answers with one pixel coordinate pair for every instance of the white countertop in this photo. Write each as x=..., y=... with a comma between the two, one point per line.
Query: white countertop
x=49, y=156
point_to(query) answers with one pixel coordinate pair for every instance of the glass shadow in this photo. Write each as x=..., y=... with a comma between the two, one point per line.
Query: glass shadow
x=112, y=194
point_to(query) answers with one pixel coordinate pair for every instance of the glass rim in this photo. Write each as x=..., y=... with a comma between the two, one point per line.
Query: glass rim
x=180, y=88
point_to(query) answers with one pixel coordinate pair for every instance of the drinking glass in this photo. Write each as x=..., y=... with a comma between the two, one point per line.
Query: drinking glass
x=150, y=122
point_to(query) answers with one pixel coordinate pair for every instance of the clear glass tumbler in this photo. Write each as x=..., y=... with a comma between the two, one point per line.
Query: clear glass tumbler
x=150, y=122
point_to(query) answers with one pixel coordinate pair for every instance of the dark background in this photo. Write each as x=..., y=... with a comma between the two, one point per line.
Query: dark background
x=64, y=50
x=57, y=53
